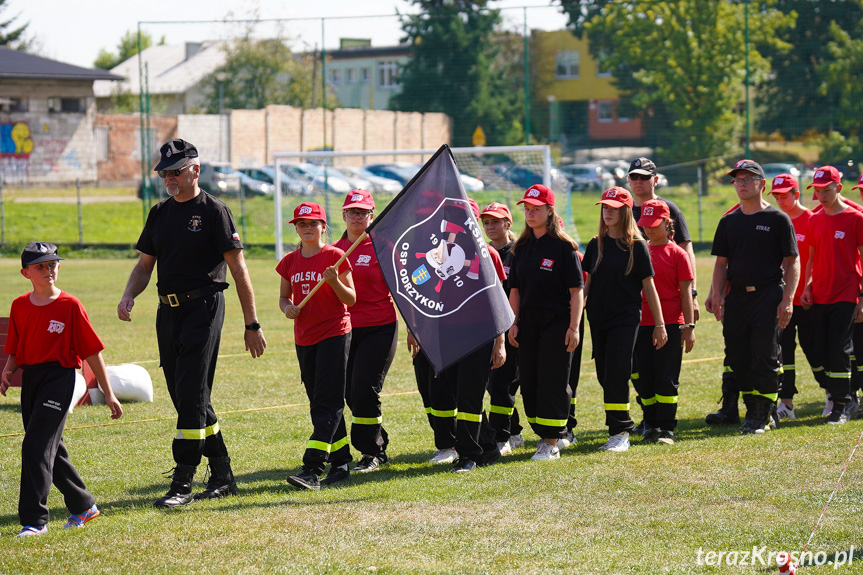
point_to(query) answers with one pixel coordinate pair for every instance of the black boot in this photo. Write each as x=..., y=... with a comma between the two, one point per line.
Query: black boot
x=758, y=418
x=221, y=482
x=180, y=492
x=728, y=413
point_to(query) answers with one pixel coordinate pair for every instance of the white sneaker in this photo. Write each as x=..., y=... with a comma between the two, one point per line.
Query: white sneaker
x=444, y=456
x=785, y=412
x=828, y=405
x=619, y=442
x=566, y=440
x=516, y=441
x=545, y=451
x=504, y=447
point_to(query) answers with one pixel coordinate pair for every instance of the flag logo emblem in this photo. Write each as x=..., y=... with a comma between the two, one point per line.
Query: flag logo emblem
x=647, y=211
x=195, y=224
x=421, y=275
x=533, y=194
x=778, y=181
x=546, y=264
x=305, y=210
x=356, y=197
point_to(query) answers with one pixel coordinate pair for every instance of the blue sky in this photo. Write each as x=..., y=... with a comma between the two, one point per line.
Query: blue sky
x=75, y=31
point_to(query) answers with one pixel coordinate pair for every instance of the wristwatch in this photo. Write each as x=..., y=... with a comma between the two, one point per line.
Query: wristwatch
x=254, y=326
x=695, y=293
x=689, y=325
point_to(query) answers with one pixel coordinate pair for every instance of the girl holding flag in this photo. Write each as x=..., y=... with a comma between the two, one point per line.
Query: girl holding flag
x=322, y=334
x=618, y=263
x=374, y=335
x=546, y=296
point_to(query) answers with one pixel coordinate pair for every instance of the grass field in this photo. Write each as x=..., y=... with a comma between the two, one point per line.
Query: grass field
x=649, y=510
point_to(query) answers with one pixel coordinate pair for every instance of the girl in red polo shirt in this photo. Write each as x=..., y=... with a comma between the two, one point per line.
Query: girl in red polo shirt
x=322, y=336
x=374, y=335
x=656, y=372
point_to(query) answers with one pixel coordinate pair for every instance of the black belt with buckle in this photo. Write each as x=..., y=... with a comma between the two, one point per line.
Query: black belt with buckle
x=745, y=288
x=175, y=299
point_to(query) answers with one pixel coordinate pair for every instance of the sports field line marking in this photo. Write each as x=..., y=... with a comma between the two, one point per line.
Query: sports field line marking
x=249, y=410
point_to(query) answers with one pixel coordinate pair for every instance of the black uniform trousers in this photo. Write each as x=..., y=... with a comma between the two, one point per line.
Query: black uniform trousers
x=502, y=386
x=751, y=332
x=857, y=359
x=612, y=352
x=371, y=354
x=656, y=375
x=189, y=337
x=46, y=392
x=543, y=369
x=424, y=373
x=801, y=326
x=457, y=402
x=323, y=368
x=575, y=375
x=834, y=327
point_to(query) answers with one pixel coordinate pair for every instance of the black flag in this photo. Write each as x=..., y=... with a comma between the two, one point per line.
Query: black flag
x=438, y=267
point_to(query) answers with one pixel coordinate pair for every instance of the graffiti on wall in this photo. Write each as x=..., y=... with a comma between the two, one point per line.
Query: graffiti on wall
x=16, y=144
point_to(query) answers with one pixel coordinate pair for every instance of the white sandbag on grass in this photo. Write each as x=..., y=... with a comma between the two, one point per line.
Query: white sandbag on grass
x=130, y=382
x=80, y=390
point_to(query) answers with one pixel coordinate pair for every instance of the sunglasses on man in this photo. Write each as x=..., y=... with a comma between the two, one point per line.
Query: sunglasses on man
x=175, y=173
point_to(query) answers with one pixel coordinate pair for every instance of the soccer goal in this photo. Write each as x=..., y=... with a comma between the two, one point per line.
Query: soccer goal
x=489, y=174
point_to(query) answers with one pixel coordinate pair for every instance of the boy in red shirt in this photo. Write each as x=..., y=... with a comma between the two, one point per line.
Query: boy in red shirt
x=833, y=277
x=49, y=333
x=786, y=192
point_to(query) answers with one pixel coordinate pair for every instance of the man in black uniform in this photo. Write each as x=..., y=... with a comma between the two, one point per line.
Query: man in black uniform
x=194, y=238
x=756, y=254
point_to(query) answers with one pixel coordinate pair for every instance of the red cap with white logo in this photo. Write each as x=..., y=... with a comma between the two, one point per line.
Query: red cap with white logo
x=616, y=197
x=653, y=212
x=359, y=198
x=859, y=185
x=824, y=176
x=309, y=211
x=783, y=183
x=538, y=195
x=496, y=210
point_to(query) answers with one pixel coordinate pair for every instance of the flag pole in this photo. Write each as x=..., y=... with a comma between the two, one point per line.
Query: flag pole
x=336, y=265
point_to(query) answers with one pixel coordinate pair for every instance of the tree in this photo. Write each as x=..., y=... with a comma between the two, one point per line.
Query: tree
x=10, y=36
x=258, y=73
x=126, y=48
x=841, y=82
x=461, y=67
x=678, y=64
x=799, y=98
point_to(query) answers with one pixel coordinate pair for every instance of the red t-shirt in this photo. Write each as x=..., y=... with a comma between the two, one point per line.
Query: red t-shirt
x=671, y=266
x=850, y=203
x=374, y=303
x=498, y=264
x=836, y=269
x=59, y=331
x=801, y=230
x=324, y=315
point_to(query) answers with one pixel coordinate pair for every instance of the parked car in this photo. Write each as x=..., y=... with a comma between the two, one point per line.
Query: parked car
x=774, y=169
x=378, y=183
x=290, y=185
x=618, y=169
x=318, y=178
x=400, y=171
x=254, y=187
x=218, y=178
x=586, y=177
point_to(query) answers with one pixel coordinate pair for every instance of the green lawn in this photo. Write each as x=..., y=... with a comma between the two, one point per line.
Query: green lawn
x=649, y=510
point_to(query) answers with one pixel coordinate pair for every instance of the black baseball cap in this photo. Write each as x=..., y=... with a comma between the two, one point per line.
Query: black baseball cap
x=749, y=166
x=174, y=154
x=642, y=166
x=38, y=252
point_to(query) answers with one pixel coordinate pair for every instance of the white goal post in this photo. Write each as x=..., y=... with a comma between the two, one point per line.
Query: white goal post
x=489, y=173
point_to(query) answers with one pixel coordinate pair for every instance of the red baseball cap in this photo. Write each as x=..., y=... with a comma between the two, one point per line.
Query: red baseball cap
x=359, y=198
x=616, y=197
x=653, y=212
x=783, y=183
x=309, y=211
x=474, y=207
x=496, y=210
x=859, y=184
x=826, y=175
x=538, y=195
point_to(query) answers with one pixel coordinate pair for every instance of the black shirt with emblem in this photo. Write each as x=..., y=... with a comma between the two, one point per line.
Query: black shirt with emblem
x=615, y=298
x=755, y=245
x=681, y=230
x=188, y=240
x=543, y=271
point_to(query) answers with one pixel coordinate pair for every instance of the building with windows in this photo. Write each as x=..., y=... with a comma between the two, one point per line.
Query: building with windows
x=582, y=101
x=47, y=110
x=362, y=76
